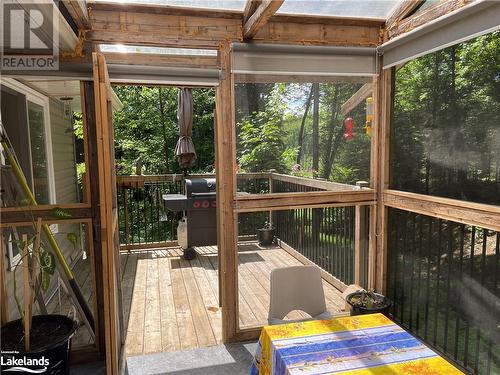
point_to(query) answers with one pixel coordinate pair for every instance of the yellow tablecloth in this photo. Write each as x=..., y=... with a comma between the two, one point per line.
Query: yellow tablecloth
x=365, y=344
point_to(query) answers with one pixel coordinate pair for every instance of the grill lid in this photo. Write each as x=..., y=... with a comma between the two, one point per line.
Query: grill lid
x=200, y=186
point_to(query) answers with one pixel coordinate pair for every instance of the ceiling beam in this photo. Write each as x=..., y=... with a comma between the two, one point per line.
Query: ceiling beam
x=250, y=8
x=260, y=17
x=356, y=99
x=78, y=11
x=401, y=10
x=114, y=23
x=432, y=12
x=148, y=59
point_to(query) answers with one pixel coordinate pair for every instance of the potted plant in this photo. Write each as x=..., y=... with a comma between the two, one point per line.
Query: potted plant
x=41, y=343
x=265, y=235
x=369, y=302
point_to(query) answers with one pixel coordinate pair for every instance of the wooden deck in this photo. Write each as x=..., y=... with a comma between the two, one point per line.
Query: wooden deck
x=172, y=304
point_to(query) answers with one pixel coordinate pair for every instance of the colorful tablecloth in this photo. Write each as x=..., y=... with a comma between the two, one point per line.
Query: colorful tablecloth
x=365, y=344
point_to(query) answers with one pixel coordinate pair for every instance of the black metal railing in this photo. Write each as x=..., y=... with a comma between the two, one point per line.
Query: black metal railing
x=325, y=236
x=444, y=281
x=142, y=218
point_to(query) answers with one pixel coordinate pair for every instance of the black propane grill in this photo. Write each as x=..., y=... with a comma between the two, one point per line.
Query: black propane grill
x=198, y=226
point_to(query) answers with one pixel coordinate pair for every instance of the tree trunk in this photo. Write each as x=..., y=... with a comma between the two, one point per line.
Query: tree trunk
x=327, y=167
x=302, y=125
x=315, y=128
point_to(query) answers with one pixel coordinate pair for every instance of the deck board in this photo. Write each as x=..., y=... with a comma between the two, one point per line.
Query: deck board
x=172, y=304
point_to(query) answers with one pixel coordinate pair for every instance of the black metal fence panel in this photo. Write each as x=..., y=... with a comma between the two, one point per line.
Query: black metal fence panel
x=444, y=280
x=325, y=236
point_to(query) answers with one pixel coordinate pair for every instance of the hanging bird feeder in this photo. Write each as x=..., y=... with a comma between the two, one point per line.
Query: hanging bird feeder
x=369, y=116
x=348, y=128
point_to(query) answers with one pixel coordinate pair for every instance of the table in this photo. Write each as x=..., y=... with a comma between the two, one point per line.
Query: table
x=359, y=345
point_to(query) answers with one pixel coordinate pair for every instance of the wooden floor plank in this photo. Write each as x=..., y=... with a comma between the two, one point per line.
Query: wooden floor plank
x=209, y=299
x=173, y=303
x=204, y=333
x=185, y=323
x=169, y=328
x=152, y=321
x=135, y=328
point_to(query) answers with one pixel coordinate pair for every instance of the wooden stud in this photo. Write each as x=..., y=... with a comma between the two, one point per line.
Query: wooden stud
x=384, y=100
x=400, y=11
x=78, y=11
x=356, y=98
x=260, y=16
x=26, y=293
x=250, y=8
x=360, y=241
x=4, y=309
x=226, y=192
x=436, y=10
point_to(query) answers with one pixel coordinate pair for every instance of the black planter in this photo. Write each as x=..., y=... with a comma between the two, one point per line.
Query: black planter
x=265, y=236
x=361, y=310
x=50, y=350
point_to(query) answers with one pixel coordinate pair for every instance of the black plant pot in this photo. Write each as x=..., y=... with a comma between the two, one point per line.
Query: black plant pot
x=265, y=236
x=361, y=310
x=50, y=345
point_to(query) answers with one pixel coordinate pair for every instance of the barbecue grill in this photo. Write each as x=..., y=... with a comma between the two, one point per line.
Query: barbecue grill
x=198, y=225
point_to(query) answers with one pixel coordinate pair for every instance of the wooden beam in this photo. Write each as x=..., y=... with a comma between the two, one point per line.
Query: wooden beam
x=384, y=99
x=4, y=309
x=225, y=160
x=273, y=78
x=173, y=10
x=331, y=34
x=357, y=98
x=78, y=11
x=250, y=8
x=314, y=183
x=481, y=215
x=434, y=11
x=181, y=61
x=260, y=16
x=286, y=201
x=92, y=177
x=16, y=215
x=133, y=27
x=401, y=10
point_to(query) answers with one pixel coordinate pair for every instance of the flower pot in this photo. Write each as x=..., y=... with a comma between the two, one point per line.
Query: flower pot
x=360, y=310
x=265, y=236
x=50, y=345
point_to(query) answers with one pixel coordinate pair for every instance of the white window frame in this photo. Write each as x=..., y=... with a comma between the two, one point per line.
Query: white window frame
x=43, y=101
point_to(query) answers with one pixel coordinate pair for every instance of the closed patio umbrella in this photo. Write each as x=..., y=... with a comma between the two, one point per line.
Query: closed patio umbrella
x=184, y=150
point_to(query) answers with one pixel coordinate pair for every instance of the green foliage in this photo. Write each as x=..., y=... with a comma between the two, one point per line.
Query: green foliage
x=60, y=213
x=446, y=122
x=262, y=144
x=147, y=128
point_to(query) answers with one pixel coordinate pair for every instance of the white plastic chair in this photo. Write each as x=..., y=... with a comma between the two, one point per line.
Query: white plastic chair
x=297, y=288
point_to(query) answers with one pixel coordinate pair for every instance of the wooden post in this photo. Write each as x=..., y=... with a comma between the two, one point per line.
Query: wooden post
x=4, y=311
x=384, y=91
x=26, y=293
x=360, y=240
x=226, y=192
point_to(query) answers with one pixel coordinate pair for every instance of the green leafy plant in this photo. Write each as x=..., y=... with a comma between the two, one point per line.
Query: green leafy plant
x=368, y=300
x=39, y=260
